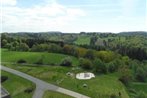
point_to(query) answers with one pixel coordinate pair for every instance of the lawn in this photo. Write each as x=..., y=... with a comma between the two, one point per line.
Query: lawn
x=33, y=57
x=100, y=87
x=16, y=86
x=51, y=94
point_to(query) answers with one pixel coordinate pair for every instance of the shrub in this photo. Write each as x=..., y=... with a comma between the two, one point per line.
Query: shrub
x=124, y=80
x=21, y=61
x=113, y=96
x=99, y=66
x=40, y=61
x=66, y=62
x=85, y=63
x=29, y=90
x=90, y=55
x=3, y=78
x=23, y=47
x=111, y=67
x=140, y=74
x=53, y=64
x=126, y=76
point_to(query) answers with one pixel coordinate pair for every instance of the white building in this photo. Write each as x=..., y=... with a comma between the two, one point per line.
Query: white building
x=84, y=76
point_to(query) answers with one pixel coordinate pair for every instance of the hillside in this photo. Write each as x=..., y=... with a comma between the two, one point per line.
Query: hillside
x=119, y=61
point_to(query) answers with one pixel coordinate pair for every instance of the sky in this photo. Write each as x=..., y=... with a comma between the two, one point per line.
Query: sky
x=73, y=15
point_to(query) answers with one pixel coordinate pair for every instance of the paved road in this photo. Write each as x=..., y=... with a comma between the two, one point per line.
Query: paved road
x=42, y=86
x=38, y=92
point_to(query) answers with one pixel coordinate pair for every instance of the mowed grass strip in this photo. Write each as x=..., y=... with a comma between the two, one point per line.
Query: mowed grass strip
x=51, y=94
x=16, y=86
x=100, y=87
x=33, y=57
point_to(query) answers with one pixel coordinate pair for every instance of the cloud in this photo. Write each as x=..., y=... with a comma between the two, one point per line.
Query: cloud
x=128, y=6
x=8, y=2
x=50, y=16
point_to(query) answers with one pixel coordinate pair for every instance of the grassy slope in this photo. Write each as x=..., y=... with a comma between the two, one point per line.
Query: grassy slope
x=32, y=57
x=82, y=40
x=100, y=87
x=51, y=94
x=16, y=86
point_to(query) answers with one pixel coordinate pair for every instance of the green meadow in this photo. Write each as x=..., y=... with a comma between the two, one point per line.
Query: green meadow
x=51, y=94
x=85, y=40
x=100, y=87
x=32, y=57
x=82, y=40
x=16, y=86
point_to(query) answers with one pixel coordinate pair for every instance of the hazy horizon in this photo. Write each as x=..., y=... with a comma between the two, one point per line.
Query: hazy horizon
x=71, y=32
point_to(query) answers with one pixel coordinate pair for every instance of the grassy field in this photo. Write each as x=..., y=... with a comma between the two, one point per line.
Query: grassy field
x=32, y=57
x=83, y=40
x=100, y=87
x=51, y=94
x=16, y=86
